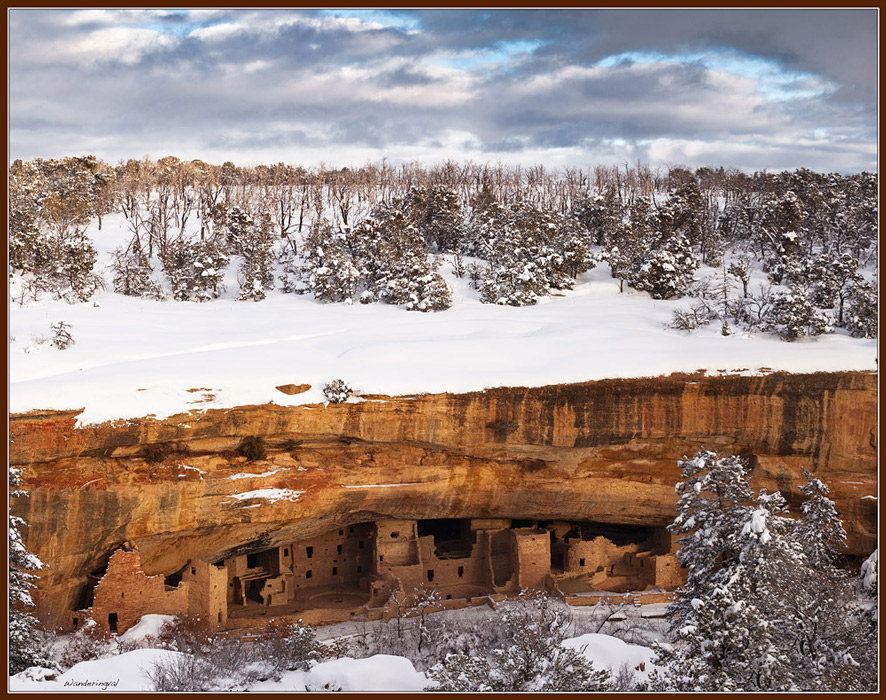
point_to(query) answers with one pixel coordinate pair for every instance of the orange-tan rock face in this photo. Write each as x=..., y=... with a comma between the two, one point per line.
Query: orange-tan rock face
x=604, y=451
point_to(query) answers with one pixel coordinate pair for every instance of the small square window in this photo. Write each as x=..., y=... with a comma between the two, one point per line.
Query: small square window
x=285, y=552
x=309, y=551
x=395, y=534
x=461, y=571
x=381, y=557
x=351, y=529
x=581, y=562
x=360, y=545
x=308, y=573
x=341, y=532
x=334, y=570
x=359, y=569
x=193, y=571
x=338, y=549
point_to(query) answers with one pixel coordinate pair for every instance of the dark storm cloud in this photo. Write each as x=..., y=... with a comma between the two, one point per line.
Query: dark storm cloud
x=262, y=85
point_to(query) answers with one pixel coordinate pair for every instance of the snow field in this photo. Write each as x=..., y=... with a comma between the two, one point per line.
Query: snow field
x=134, y=357
x=380, y=673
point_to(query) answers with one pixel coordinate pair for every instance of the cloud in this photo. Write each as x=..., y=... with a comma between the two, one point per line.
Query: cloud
x=746, y=88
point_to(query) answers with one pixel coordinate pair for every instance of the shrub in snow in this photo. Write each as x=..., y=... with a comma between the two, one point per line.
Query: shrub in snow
x=88, y=642
x=667, y=270
x=792, y=315
x=531, y=659
x=64, y=265
x=132, y=273
x=209, y=661
x=286, y=646
x=253, y=448
x=337, y=391
x=699, y=314
x=61, y=335
x=185, y=634
x=195, y=269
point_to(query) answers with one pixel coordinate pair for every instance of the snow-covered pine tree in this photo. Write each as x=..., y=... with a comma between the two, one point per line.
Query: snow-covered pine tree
x=820, y=531
x=132, y=273
x=195, y=269
x=667, y=268
x=27, y=643
x=763, y=607
x=832, y=281
x=517, y=273
x=534, y=251
x=485, y=225
x=861, y=319
x=731, y=549
x=792, y=315
x=325, y=268
x=255, y=241
x=73, y=260
x=393, y=262
x=600, y=214
x=437, y=215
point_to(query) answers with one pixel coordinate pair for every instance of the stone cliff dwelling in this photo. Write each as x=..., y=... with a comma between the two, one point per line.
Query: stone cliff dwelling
x=351, y=572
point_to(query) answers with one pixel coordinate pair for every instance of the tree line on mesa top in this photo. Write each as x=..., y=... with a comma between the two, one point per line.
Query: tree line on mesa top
x=790, y=253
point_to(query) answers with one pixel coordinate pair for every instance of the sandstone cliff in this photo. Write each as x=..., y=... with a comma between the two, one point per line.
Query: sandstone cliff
x=603, y=451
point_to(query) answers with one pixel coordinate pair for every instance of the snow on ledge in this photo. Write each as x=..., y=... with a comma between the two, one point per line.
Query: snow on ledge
x=246, y=475
x=270, y=495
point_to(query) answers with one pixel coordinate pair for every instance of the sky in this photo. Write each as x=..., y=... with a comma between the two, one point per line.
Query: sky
x=752, y=89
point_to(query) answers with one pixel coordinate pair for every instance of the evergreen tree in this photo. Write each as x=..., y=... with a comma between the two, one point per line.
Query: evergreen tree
x=195, y=269
x=792, y=315
x=862, y=320
x=27, y=645
x=394, y=266
x=255, y=243
x=819, y=531
x=73, y=260
x=486, y=224
x=132, y=273
x=436, y=213
x=326, y=268
x=667, y=269
x=763, y=607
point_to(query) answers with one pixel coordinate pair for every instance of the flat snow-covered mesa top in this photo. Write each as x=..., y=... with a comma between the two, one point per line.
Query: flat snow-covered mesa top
x=134, y=357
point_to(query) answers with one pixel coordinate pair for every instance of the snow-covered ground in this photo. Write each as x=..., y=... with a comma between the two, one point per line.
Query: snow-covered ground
x=134, y=357
x=380, y=673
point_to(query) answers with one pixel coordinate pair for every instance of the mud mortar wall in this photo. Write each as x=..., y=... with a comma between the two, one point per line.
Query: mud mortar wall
x=603, y=451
